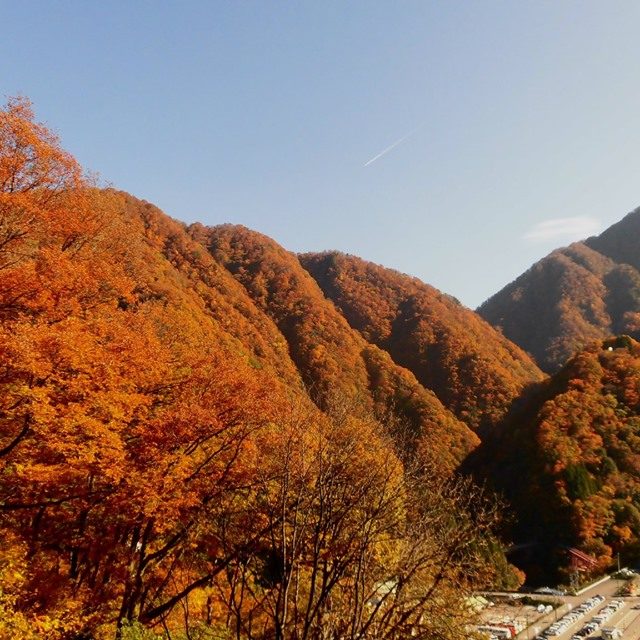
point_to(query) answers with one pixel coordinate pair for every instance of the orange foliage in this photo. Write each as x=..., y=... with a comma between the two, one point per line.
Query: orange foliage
x=333, y=359
x=121, y=421
x=471, y=368
x=577, y=477
x=143, y=393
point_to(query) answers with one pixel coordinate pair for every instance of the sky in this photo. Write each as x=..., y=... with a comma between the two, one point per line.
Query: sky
x=458, y=142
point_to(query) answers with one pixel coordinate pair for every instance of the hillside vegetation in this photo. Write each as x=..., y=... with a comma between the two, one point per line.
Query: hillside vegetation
x=331, y=357
x=586, y=291
x=569, y=460
x=474, y=371
x=194, y=442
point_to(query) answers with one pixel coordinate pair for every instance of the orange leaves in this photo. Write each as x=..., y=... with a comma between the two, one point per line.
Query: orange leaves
x=31, y=160
x=149, y=410
x=581, y=436
x=333, y=359
x=120, y=417
x=472, y=369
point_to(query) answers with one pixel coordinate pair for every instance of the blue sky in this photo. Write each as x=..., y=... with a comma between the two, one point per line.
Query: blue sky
x=522, y=120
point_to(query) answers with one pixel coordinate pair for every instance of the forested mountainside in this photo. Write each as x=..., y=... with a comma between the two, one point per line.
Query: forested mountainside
x=585, y=291
x=472, y=369
x=333, y=359
x=193, y=438
x=569, y=460
x=620, y=241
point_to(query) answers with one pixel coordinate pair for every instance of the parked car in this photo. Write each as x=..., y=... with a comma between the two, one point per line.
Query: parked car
x=551, y=592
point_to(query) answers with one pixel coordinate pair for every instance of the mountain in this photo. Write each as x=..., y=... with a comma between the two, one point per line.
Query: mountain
x=620, y=241
x=473, y=369
x=334, y=361
x=568, y=460
x=586, y=291
x=193, y=436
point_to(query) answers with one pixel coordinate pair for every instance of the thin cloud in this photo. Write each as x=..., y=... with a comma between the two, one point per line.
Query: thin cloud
x=390, y=147
x=575, y=228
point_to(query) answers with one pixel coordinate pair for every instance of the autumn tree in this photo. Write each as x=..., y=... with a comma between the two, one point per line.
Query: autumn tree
x=121, y=423
x=359, y=544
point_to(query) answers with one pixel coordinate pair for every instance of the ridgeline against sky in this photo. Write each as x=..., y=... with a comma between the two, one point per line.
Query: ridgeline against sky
x=491, y=132
x=203, y=428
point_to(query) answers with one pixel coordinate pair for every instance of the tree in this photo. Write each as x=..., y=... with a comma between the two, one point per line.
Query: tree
x=154, y=474
x=358, y=545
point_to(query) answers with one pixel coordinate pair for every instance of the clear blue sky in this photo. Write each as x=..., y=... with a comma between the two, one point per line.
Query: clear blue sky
x=265, y=113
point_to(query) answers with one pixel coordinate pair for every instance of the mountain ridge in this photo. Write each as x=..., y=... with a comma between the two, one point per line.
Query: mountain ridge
x=575, y=294
x=473, y=369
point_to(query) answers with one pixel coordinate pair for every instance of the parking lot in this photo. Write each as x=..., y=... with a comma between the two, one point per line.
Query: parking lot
x=579, y=617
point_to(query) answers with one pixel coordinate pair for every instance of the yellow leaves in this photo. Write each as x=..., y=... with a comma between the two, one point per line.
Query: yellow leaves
x=14, y=624
x=12, y=563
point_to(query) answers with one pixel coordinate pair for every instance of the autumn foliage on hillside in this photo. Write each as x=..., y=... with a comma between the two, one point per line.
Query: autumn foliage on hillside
x=113, y=401
x=331, y=357
x=472, y=369
x=583, y=292
x=178, y=458
x=570, y=459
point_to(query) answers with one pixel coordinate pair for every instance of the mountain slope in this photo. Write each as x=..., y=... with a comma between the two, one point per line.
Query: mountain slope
x=569, y=460
x=193, y=438
x=472, y=369
x=145, y=396
x=170, y=266
x=335, y=362
x=620, y=241
x=576, y=294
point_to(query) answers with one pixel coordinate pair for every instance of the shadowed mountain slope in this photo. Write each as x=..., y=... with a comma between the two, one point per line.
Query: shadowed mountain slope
x=473, y=369
x=621, y=241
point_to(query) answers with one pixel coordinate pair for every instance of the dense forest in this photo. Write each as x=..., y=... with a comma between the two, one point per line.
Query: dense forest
x=472, y=368
x=194, y=443
x=331, y=357
x=576, y=434
x=204, y=435
x=568, y=460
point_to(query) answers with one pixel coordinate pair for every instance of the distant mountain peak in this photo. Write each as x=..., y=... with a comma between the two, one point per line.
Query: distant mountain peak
x=578, y=293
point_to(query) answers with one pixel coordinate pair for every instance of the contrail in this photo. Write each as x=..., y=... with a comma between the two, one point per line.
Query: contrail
x=391, y=146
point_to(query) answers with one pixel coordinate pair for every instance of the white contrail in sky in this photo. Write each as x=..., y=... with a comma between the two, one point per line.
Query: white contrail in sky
x=390, y=147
